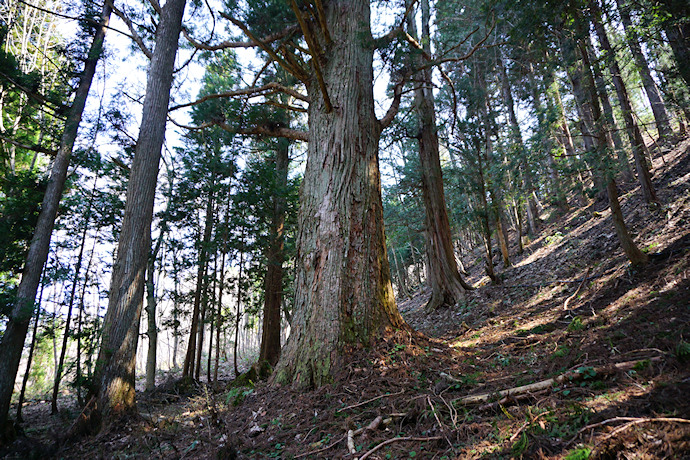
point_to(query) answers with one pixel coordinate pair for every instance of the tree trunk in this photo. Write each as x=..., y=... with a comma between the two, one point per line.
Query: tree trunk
x=32, y=347
x=635, y=256
x=677, y=30
x=651, y=89
x=80, y=398
x=219, y=320
x=447, y=286
x=115, y=373
x=269, y=351
x=152, y=328
x=77, y=270
x=343, y=290
x=190, y=361
x=238, y=316
x=22, y=311
x=611, y=127
x=633, y=130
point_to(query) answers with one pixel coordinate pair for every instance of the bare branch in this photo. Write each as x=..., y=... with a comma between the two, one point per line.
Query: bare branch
x=75, y=18
x=394, y=107
x=294, y=108
x=248, y=92
x=33, y=148
x=321, y=15
x=267, y=130
x=135, y=35
x=299, y=73
x=237, y=44
x=397, y=31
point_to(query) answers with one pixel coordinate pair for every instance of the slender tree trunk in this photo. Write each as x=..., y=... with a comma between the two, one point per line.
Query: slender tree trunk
x=518, y=233
x=213, y=317
x=633, y=130
x=651, y=89
x=238, y=315
x=221, y=290
x=25, y=379
x=23, y=308
x=82, y=296
x=610, y=122
x=115, y=371
x=193, y=355
x=269, y=351
x=485, y=213
x=447, y=285
x=635, y=256
x=65, y=337
x=343, y=292
x=151, y=327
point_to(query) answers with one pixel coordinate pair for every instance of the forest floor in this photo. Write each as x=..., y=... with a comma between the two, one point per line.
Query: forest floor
x=619, y=357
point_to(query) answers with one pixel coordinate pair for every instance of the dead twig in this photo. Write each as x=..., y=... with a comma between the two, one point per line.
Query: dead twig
x=323, y=449
x=370, y=400
x=579, y=288
x=401, y=439
x=631, y=421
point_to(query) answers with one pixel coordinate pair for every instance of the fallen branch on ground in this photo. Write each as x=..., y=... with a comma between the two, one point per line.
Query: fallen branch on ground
x=544, y=384
x=632, y=421
x=370, y=400
x=391, y=441
x=579, y=288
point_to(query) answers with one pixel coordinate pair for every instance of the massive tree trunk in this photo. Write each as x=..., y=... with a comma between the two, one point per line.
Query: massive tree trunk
x=22, y=311
x=343, y=289
x=115, y=373
x=447, y=286
x=269, y=351
x=633, y=130
x=651, y=89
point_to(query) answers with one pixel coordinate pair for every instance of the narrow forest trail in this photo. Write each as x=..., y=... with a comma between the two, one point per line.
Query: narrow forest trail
x=407, y=398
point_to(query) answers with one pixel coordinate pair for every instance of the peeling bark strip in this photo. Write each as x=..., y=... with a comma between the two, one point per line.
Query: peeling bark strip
x=343, y=288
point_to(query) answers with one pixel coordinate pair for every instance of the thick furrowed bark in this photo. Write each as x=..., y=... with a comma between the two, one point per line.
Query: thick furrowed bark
x=343, y=289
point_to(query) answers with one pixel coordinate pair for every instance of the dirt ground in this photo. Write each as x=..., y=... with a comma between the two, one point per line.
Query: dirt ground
x=619, y=357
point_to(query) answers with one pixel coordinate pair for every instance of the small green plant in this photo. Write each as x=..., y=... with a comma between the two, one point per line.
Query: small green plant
x=576, y=325
x=650, y=247
x=520, y=446
x=236, y=395
x=682, y=351
x=553, y=239
x=581, y=453
x=561, y=352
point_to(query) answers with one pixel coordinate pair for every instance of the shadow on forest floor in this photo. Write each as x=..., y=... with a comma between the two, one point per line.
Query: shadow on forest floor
x=409, y=389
